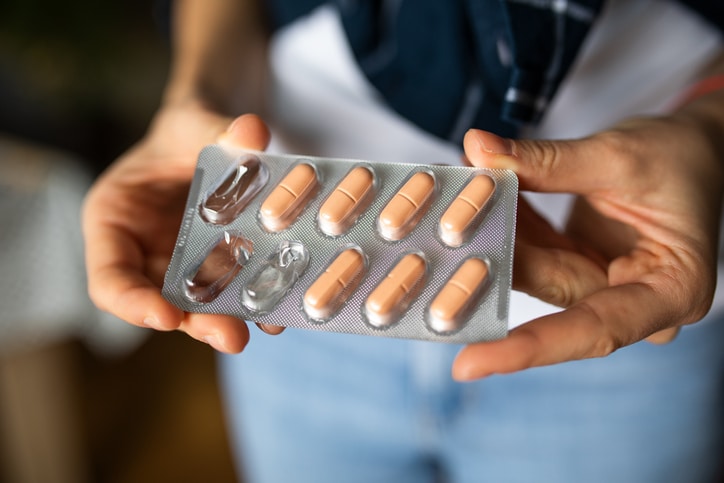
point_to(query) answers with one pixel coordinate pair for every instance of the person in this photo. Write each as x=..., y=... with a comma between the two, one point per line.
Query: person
x=619, y=158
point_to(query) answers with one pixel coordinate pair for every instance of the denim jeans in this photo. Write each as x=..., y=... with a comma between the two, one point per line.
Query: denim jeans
x=319, y=407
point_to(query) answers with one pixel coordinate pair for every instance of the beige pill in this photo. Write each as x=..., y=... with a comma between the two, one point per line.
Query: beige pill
x=457, y=223
x=287, y=200
x=333, y=286
x=395, y=292
x=457, y=295
x=345, y=203
x=404, y=210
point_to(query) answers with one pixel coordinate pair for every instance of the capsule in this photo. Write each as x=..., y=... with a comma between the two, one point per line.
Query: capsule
x=394, y=293
x=454, y=300
x=219, y=266
x=344, y=205
x=332, y=288
x=233, y=192
x=404, y=210
x=288, y=199
x=461, y=218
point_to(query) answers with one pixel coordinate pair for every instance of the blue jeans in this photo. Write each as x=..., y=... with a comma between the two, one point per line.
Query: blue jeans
x=318, y=407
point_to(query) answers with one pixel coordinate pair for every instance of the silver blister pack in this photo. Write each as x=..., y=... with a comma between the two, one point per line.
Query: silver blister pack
x=394, y=250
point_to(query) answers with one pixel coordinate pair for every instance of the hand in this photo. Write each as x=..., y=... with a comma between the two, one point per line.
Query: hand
x=638, y=258
x=132, y=215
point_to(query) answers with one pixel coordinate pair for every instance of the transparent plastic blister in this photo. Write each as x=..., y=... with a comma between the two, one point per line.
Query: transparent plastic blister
x=385, y=249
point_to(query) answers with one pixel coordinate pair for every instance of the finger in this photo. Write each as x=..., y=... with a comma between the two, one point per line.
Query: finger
x=222, y=332
x=609, y=237
x=551, y=266
x=246, y=131
x=595, y=327
x=533, y=227
x=559, y=277
x=664, y=336
x=270, y=329
x=117, y=283
x=579, y=166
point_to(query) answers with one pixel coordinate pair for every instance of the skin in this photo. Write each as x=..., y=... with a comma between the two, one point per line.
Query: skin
x=133, y=213
x=636, y=261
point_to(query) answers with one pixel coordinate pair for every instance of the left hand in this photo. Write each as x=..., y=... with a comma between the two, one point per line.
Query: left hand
x=132, y=215
x=639, y=256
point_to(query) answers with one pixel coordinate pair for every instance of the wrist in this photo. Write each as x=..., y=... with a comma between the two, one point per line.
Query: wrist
x=183, y=95
x=231, y=91
x=701, y=88
x=219, y=56
x=702, y=106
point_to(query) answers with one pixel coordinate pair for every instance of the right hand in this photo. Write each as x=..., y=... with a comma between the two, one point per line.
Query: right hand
x=132, y=214
x=638, y=258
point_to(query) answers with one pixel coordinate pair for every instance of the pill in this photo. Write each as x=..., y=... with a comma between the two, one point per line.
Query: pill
x=332, y=288
x=406, y=207
x=460, y=219
x=218, y=267
x=344, y=205
x=457, y=296
x=287, y=200
x=394, y=293
x=236, y=188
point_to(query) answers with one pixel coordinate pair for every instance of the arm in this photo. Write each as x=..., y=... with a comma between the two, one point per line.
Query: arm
x=132, y=213
x=219, y=55
x=639, y=255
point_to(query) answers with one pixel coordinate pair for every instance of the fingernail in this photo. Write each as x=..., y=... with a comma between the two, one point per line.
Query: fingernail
x=215, y=341
x=152, y=323
x=232, y=125
x=493, y=144
x=270, y=329
x=225, y=136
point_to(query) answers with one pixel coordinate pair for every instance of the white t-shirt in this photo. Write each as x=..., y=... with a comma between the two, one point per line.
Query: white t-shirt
x=323, y=105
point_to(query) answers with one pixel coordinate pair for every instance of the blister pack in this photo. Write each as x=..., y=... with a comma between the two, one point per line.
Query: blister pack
x=395, y=250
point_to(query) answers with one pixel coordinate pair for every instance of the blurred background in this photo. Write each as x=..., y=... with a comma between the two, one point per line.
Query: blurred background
x=85, y=397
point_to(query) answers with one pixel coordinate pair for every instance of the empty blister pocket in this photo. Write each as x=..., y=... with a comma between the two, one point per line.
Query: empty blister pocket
x=246, y=176
x=273, y=280
x=218, y=266
x=384, y=249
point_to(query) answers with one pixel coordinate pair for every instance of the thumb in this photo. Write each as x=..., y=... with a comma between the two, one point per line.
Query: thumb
x=541, y=165
x=247, y=131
